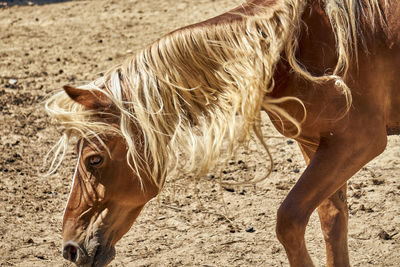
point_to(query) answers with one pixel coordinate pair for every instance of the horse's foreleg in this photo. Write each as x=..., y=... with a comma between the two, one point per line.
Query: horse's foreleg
x=335, y=161
x=333, y=215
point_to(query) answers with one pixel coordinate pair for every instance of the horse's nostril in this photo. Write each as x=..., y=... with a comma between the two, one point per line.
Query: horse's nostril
x=70, y=252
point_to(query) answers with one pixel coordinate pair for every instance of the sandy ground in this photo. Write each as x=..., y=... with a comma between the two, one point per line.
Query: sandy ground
x=43, y=47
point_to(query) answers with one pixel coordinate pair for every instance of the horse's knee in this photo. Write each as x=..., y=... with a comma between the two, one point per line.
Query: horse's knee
x=291, y=224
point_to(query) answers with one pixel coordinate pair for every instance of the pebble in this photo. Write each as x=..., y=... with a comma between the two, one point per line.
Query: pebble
x=229, y=189
x=384, y=235
x=250, y=230
x=12, y=81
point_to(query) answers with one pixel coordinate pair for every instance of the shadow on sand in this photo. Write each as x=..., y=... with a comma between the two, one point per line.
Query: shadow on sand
x=4, y=3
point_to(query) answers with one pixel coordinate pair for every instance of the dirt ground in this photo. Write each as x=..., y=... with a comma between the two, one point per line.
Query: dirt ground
x=45, y=45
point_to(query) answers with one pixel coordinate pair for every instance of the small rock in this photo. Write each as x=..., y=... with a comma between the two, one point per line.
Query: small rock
x=378, y=181
x=30, y=241
x=12, y=81
x=363, y=208
x=15, y=144
x=250, y=230
x=275, y=250
x=10, y=160
x=229, y=189
x=384, y=235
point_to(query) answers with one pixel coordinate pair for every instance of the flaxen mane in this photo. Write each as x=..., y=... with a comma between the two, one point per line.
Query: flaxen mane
x=199, y=88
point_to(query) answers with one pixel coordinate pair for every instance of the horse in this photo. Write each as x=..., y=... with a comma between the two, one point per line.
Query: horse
x=323, y=70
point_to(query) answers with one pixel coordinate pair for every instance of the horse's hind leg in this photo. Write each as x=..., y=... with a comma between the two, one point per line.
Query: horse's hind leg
x=333, y=215
x=335, y=161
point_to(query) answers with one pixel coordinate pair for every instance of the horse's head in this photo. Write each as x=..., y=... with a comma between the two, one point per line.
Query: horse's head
x=107, y=194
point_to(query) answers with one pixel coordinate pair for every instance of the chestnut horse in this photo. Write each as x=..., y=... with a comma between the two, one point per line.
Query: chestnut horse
x=325, y=71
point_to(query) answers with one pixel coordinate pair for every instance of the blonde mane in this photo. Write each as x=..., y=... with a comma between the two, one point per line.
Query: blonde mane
x=200, y=88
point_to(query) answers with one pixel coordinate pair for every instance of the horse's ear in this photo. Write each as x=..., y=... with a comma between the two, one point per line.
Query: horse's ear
x=88, y=98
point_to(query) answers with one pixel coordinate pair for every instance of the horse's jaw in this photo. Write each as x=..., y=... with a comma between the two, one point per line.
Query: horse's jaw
x=102, y=257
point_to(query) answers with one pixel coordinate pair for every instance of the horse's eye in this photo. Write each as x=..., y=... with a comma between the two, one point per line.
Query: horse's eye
x=95, y=161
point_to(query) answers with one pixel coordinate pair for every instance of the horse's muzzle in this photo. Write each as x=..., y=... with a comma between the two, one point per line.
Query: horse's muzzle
x=76, y=254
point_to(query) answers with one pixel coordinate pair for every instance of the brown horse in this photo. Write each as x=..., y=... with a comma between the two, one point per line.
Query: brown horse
x=324, y=71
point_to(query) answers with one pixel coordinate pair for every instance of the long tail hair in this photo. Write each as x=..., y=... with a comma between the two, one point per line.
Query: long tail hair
x=197, y=89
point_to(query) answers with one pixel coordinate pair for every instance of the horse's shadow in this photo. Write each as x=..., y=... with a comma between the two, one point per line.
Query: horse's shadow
x=29, y=2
